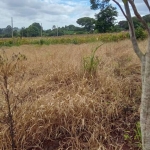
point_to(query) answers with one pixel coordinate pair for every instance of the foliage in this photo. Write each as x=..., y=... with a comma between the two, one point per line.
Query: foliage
x=115, y=28
x=8, y=31
x=147, y=18
x=137, y=23
x=87, y=22
x=105, y=19
x=96, y=4
x=140, y=33
x=33, y=31
x=88, y=25
x=124, y=24
x=23, y=32
x=74, y=39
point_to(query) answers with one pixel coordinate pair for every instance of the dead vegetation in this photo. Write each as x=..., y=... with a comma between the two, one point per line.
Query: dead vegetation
x=58, y=107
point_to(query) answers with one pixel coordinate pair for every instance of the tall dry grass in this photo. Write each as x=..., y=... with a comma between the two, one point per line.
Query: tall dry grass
x=59, y=107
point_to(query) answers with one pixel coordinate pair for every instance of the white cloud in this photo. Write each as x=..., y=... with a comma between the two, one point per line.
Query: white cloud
x=50, y=12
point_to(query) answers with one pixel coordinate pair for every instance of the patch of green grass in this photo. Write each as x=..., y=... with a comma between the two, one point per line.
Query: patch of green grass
x=90, y=63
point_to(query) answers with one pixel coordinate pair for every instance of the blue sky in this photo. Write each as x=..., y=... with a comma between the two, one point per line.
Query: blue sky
x=50, y=12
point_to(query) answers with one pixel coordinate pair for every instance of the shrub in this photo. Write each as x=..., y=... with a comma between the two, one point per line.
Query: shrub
x=8, y=68
x=42, y=41
x=140, y=34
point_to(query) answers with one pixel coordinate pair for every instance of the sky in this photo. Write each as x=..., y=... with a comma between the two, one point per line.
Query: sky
x=51, y=12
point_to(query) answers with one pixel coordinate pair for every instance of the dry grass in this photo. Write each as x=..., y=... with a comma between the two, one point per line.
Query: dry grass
x=58, y=107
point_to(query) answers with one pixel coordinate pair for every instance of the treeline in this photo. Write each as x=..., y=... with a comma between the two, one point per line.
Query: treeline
x=101, y=24
x=124, y=24
x=36, y=30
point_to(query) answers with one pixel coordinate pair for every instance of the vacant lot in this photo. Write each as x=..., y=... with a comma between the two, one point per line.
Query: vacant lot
x=58, y=105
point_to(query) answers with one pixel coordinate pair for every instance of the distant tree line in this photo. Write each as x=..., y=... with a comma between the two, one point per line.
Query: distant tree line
x=105, y=21
x=35, y=30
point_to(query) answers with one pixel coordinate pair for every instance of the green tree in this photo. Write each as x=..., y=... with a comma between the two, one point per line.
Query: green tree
x=37, y=25
x=145, y=63
x=123, y=25
x=33, y=31
x=137, y=24
x=23, y=32
x=7, y=31
x=87, y=22
x=105, y=19
x=147, y=18
x=15, y=33
x=71, y=27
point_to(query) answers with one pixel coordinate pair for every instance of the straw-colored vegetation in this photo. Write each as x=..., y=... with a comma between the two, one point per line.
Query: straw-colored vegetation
x=75, y=39
x=59, y=107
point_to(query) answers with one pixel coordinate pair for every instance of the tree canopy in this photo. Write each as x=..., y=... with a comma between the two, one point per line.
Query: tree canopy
x=106, y=19
x=87, y=22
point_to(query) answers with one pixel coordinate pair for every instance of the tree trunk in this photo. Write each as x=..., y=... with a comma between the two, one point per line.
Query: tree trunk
x=145, y=100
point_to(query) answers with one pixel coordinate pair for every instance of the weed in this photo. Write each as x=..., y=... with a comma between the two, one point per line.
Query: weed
x=8, y=67
x=127, y=136
x=138, y=135
x=91, y=62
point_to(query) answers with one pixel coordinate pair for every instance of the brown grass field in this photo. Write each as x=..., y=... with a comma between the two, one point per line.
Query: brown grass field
x=59, y=107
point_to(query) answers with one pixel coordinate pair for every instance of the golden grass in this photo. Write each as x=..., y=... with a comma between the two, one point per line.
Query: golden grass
x=58, y=107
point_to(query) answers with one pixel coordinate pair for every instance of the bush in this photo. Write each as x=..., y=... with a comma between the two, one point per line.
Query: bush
x=140, y=34
x=41, y=41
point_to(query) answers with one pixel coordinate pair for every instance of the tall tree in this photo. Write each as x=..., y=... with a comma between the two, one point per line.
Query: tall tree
x=145, y=62
x=37, y=25
x=105, y=18
x=33, y=31
x=87, y=22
